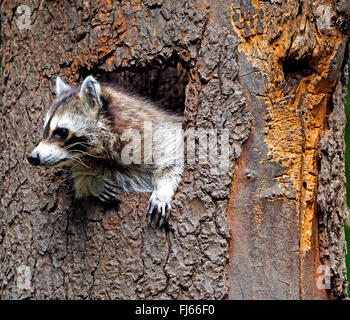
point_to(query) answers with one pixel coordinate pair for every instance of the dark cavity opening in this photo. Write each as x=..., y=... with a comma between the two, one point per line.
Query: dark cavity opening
x=164, y=84
x=300, y=8
x=296, y=68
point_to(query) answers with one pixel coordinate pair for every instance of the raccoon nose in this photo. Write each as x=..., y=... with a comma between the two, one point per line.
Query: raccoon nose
x=34, y=159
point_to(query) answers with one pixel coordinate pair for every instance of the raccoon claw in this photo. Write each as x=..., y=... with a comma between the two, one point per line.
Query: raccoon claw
x=108, y=197
x=158, y=210
x=110, y=192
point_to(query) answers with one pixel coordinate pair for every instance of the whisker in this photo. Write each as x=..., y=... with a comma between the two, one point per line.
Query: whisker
x=85, y=153
x=74, y=144
x=78, y=161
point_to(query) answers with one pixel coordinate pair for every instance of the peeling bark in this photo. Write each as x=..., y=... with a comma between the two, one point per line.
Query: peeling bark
x=271, y=72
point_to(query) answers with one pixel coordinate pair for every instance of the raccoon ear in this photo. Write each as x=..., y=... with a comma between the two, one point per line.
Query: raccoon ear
x=61, y=87
x=90, y=94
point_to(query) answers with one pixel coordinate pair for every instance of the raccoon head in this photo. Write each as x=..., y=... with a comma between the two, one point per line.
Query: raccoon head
x=70, y=125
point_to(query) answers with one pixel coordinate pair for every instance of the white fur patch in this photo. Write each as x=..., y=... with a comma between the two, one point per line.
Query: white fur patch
x=61, y=86
x=50, y=154
x=90, y=94
x=168, y=144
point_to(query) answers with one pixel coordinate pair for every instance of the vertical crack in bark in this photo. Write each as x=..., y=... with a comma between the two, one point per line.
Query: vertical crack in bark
x=301, y=203
x=98, y=261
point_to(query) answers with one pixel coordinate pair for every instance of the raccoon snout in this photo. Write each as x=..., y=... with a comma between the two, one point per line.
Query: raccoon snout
x=34, y=159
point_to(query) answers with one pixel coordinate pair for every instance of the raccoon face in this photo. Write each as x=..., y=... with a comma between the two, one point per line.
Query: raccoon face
x=69, y=125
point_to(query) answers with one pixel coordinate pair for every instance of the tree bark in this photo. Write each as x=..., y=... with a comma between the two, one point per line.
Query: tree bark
x=273, y=73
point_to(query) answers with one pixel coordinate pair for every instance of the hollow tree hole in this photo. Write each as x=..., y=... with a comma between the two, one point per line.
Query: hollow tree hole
x=164, y=84
x=296, y=68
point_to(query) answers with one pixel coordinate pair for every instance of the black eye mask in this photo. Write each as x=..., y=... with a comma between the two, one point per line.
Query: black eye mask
x=60, y=134
x=76, y=144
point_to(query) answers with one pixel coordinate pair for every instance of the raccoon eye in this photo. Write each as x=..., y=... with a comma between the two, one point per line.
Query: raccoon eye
x=60, y=133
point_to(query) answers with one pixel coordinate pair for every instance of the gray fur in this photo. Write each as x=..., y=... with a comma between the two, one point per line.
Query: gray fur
x=90, y=94
x=97, y=116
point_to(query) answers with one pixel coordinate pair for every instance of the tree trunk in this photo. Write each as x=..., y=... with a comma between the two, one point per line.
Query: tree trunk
x=272, y=73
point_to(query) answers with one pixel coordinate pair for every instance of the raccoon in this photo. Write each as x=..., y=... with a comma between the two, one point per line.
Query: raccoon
x=90, y=128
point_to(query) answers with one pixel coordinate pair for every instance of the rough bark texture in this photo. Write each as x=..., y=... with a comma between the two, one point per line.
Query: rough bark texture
x=272, y=72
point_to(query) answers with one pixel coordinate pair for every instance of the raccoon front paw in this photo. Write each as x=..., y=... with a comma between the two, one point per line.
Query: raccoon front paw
x=158, y=209
x=109, y=191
